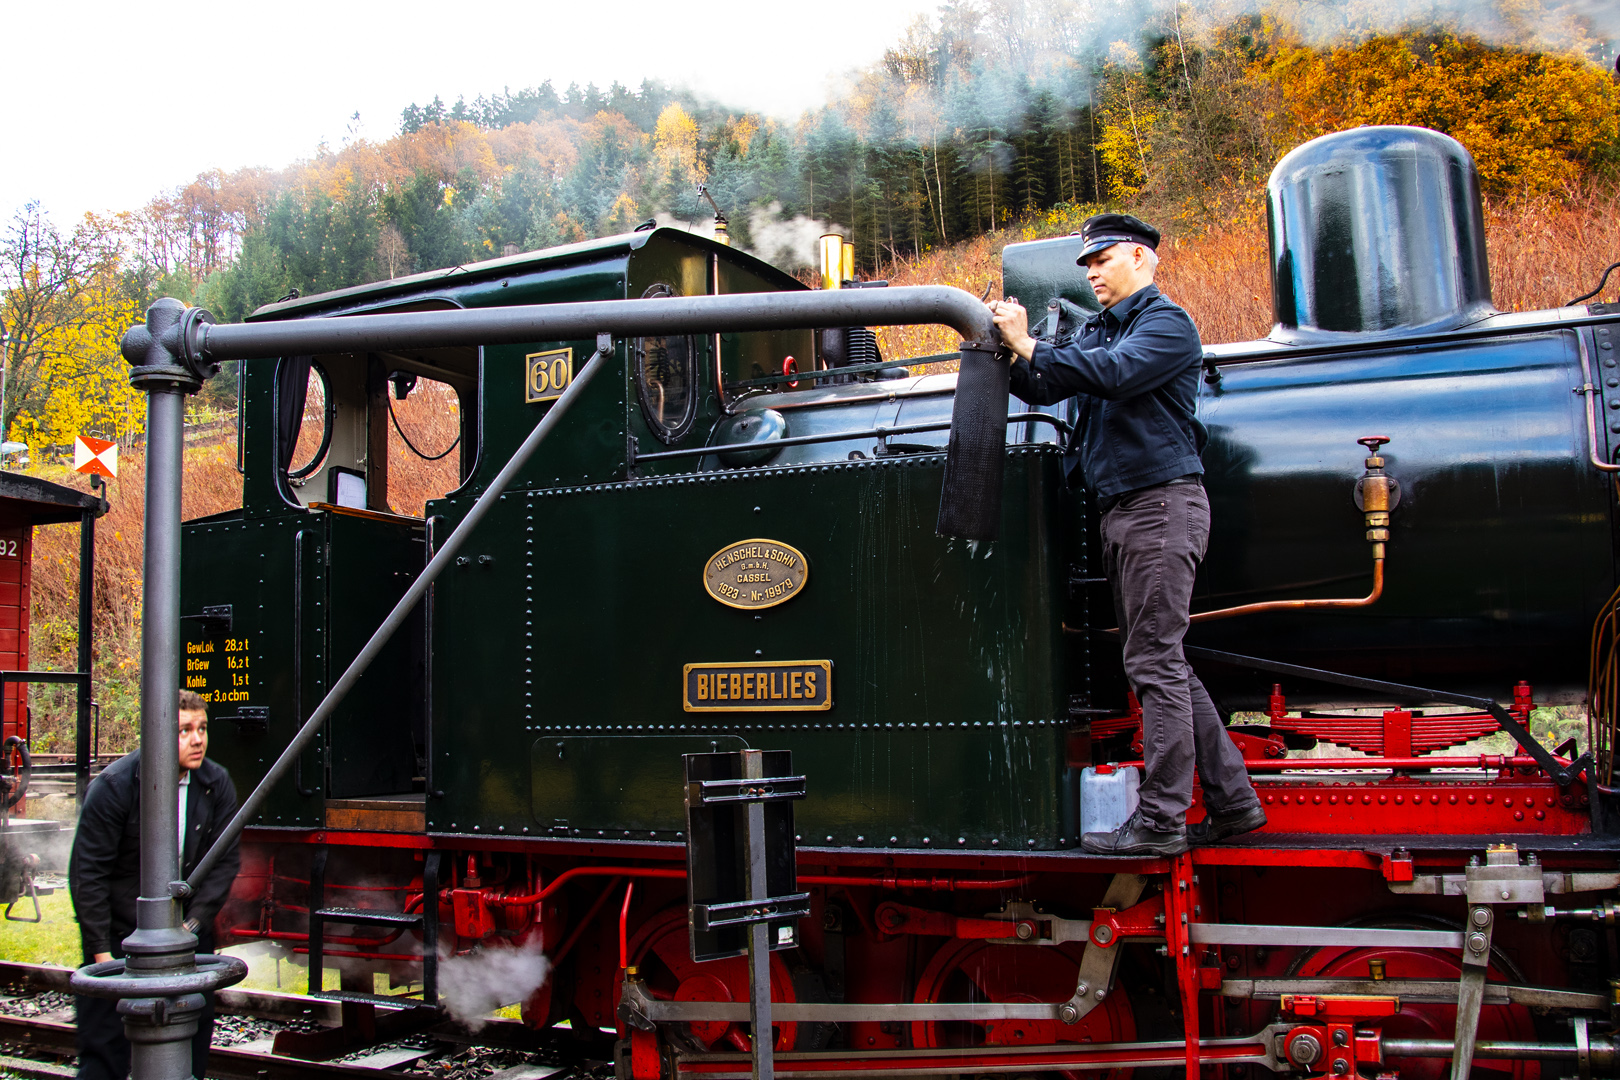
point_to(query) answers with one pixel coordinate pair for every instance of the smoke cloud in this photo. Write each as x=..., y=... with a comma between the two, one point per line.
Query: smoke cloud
x=789, y=244
x=475, y=985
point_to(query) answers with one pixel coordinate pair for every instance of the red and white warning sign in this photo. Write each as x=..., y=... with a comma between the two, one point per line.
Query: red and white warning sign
x=95, y=456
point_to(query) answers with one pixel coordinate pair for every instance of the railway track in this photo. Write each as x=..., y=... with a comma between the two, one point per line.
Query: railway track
x=37, y=1040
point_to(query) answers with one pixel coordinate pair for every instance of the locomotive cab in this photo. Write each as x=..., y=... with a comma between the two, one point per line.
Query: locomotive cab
x=333, y=526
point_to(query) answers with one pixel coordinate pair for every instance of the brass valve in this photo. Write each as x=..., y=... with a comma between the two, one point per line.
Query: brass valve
x=1377, y=493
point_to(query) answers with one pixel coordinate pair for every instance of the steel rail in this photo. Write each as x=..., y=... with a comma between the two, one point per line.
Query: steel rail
x=1260, y=1049
x=224, y=1062
x=902, y=306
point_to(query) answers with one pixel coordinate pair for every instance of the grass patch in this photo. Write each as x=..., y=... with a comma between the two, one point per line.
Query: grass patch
x=52, y=940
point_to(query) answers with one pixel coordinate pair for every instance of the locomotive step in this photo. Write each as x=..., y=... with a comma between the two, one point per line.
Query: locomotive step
x=355, y=997
x=369, y=916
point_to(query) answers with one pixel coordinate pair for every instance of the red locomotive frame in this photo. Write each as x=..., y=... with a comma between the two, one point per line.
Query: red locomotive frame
x=1382, y=860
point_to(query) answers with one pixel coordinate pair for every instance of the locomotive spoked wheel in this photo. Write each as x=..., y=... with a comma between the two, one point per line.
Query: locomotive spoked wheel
x=980, y=971
x=662, y=953
x=1430, y=1021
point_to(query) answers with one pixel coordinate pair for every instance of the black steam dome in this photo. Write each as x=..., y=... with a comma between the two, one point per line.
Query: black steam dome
x=1376, y=229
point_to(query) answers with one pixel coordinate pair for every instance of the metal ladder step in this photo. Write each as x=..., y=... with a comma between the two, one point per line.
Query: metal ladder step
x=371, y=999
x=428, y=919
x=369, y=916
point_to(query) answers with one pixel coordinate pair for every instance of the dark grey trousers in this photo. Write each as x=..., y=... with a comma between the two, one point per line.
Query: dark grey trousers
x=1153, y=540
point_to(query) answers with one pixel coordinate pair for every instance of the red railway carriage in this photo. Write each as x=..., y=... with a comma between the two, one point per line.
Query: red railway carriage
x=27, y=501
x=16, y=553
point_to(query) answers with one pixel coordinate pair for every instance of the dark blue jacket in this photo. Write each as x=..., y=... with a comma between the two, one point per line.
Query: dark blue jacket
x=1134, y=369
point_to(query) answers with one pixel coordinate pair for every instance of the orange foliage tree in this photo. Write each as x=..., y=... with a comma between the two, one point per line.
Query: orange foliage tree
x=1534, y=121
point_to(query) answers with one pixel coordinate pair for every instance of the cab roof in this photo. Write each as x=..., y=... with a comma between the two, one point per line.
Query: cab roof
x=622, y=244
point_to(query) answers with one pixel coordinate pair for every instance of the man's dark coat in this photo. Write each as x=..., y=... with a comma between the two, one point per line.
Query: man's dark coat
x=104, y=870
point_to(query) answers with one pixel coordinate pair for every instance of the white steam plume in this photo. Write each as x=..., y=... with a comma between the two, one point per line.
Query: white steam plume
x=475, y=985
x=789, y=244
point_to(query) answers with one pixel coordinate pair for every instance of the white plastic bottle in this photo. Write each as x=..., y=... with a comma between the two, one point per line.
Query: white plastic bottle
x=1107, y=797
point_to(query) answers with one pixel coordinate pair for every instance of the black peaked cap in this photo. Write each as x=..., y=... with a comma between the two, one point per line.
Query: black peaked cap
x=1106, y=230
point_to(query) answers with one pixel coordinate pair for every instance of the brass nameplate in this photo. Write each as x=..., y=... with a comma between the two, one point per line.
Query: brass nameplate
x=547, y=374
x=755, y=573
x=774, y=686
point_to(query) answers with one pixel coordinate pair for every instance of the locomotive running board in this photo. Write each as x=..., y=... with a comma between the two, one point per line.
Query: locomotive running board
x=1259, y=1049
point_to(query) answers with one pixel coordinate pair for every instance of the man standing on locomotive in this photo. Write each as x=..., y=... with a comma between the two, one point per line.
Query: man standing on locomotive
x=1134, y=370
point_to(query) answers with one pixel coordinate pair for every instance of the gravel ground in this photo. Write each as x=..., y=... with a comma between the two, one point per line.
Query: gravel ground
x=36, y=1004
x=447, y=1061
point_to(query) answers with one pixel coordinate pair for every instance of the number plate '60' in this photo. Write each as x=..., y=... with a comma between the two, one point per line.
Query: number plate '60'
x=547, y=374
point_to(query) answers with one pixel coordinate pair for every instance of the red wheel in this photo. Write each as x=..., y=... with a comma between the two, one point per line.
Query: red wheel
x=662, y=953
x=980, y=971
x=1431, y=1021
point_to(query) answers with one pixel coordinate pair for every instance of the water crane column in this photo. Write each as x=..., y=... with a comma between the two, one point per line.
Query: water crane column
x=160, y=986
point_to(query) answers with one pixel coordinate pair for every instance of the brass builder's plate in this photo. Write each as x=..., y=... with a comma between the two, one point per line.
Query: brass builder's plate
x=753, y=574
x=762, y=686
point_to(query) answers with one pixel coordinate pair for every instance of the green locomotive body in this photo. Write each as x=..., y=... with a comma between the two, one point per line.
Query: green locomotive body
x=543, y=693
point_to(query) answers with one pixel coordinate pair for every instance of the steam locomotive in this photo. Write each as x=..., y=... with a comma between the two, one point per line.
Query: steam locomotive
x=729, y=542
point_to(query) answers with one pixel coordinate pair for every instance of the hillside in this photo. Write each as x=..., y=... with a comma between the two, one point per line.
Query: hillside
x=989, y=122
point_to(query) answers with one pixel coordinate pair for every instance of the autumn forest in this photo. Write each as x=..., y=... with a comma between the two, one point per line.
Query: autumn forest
x=988, y=121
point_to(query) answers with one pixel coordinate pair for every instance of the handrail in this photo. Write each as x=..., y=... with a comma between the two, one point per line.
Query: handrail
x=849, y=369
x=902, y=306
x=1589, y=391
x=879, y=432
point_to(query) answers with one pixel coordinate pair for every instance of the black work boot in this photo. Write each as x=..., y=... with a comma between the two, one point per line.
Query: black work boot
x=1136, y=837
x=1218, y=826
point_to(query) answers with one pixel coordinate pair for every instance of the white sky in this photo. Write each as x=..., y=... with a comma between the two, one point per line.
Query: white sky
x=110, y=103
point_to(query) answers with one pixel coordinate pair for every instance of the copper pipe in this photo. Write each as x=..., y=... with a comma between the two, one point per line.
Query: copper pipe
x=1300, y=605
x=1274, y=605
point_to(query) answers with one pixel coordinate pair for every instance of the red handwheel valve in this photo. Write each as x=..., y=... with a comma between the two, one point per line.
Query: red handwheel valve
x=790, y=367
